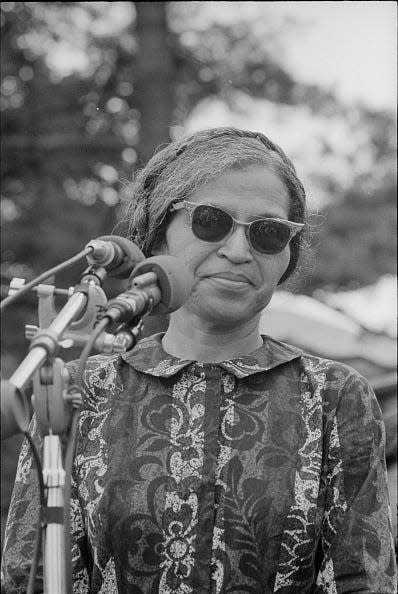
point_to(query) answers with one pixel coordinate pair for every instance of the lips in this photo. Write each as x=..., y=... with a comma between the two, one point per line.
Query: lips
x=232, y=276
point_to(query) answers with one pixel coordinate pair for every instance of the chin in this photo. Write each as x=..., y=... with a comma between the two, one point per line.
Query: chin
x=227, y=310
x=226, y=313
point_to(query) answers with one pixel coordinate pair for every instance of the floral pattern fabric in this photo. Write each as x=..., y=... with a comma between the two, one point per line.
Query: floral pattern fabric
x=261, y=474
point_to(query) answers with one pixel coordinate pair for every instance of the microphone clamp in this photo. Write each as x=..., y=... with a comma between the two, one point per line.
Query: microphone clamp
x=132, y=303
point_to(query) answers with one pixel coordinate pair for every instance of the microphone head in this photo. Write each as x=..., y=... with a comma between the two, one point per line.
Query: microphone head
x=130, y=255
x=173, y=277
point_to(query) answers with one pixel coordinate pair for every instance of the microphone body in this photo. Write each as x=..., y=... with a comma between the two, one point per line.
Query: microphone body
x=117, y=255
x=160, y=284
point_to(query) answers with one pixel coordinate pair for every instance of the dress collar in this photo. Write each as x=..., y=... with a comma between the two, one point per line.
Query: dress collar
x=149, y=357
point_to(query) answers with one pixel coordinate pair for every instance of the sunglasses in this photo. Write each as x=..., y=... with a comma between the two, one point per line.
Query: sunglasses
x=210, y=223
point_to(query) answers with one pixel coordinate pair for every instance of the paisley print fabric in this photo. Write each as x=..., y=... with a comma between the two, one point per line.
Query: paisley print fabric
x=261, y=474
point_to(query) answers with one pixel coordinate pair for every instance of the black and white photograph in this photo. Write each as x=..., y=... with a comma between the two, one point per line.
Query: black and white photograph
x=199, y=297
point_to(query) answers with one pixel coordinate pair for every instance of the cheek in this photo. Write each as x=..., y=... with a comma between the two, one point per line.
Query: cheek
x=175, y=241
x=272, y=272
x=274, y=268
x=189, y=249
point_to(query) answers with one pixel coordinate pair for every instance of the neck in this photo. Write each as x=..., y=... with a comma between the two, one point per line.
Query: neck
x=190, y=338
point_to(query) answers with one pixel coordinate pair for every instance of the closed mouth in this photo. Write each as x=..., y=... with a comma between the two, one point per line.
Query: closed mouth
x=228, y=276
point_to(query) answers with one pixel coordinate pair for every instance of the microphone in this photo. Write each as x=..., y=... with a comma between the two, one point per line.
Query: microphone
x=117, y=255
x=160, y=284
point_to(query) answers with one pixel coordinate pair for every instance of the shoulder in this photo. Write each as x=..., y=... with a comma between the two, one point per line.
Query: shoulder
x=329, y=369
x=96, y=365
x=332, y=383
x=341, y=388
x=313, y=368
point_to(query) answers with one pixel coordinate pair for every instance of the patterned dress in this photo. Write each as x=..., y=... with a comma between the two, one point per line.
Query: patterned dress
x=259, y=474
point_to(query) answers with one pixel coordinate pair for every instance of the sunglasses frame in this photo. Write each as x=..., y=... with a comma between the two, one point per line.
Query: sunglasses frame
x=190, y=207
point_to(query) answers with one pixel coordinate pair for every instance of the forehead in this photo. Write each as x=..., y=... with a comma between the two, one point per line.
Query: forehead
x=253, y=191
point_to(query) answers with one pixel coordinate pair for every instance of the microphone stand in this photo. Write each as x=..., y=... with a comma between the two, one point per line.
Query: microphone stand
x=54, y=394
x=52, y=402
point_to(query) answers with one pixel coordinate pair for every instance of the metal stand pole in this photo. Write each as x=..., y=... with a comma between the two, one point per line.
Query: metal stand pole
x=54, y=545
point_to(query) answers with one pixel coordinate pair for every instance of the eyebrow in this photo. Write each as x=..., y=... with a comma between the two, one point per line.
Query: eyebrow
x=269, y=215
x=254, y=217
x=250, y=218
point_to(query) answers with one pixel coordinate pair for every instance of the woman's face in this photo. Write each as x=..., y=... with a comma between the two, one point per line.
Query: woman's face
x=232, y=282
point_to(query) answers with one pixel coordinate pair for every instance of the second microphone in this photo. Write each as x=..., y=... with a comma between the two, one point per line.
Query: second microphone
x=161, y=284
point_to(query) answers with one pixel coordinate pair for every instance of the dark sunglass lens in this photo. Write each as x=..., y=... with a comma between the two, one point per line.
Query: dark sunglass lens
x=269, y=237
x=210, y=223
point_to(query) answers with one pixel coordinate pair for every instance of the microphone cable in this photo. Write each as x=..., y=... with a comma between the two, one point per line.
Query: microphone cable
x=36, y=281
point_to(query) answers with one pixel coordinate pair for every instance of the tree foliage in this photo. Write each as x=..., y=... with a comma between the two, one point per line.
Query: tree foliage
x=353, y=241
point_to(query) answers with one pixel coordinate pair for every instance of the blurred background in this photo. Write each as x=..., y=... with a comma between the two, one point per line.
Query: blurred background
x=90, y=89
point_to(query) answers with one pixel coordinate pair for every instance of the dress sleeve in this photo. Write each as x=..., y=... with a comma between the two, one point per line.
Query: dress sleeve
x=357, y=542
x=22, y=524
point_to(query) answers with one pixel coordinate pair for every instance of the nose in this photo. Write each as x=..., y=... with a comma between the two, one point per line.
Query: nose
x=236, y=247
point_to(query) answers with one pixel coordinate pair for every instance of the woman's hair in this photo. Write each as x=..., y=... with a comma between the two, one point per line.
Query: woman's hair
x=184, y=165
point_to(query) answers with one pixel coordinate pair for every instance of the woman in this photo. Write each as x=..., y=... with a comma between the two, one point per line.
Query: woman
x=210, y=458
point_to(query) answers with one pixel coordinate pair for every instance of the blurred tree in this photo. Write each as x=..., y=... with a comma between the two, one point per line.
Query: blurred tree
x=154, y=75
x=355, y=244
x=218, y=59
x=53, y=161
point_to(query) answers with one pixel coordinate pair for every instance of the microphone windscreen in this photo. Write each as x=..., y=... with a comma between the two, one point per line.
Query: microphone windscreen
x=173, y=277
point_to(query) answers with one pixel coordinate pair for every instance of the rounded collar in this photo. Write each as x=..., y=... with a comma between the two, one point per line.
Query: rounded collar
x=149, y=357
